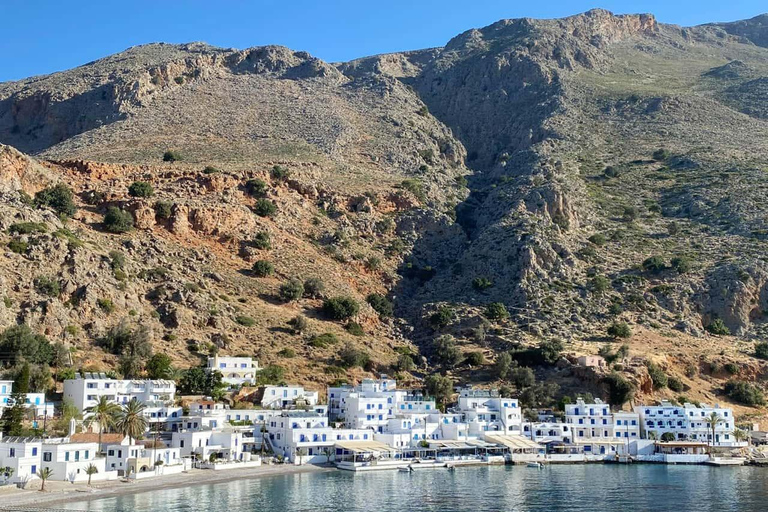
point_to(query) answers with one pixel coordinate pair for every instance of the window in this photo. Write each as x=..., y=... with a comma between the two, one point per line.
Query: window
x=12, y=452
x=34, y=469
x=111, y=453
x=66, y=456
x=34, y=451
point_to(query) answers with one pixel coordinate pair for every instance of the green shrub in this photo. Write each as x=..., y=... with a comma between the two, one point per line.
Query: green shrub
x=611, y=172
x=496, y=311
x=600, y=284
x=744, y=393
x=475, y=358
x=354, y=328
x=323, y=340
x=262, y=241
x=314, y=287
x=287, y=353
x=256, y=187
x=291, y=290
x=117, y=220
x=340, y=308
x=47, y=286
x=141, y=189
x=661, y=154
x=423, y=111
x=373, y=263
x=717, y=326
x=245, y=321
x=263, y=268
x=415, y=187
x=675, y=384
x=382, y=305
x=27, y=228
x=481, y=283
x=630, y=213
x=210, y=170
x=298, y=324
x=658, y=377
x=442, y=317
x=597, y=239
x=731, y=368
x=446, y=350
x=619, y=330
x=761, y=350
x=351, y=357
x=620, y=390
x=59, y=198
x=654, y=264
x=106, y=305
x=522, y=377
x=279, y=174
x=682, y=264
x=163, y=209
x=265, y=208
x=405, y=363
x=172, y=156
x=18, y=246
x=551, y=350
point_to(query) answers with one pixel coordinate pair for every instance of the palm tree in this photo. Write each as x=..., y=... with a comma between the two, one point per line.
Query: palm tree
x=713, y=419
x=105, y=413
x=91, y=470
x=44, y=474
x=741, y=435
x=131, y=421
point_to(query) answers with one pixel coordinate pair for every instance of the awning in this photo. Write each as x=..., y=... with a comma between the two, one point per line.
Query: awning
x=364, y=446
x=681, y=444
x=453, y=445
x=600, y=440
x=514, y=442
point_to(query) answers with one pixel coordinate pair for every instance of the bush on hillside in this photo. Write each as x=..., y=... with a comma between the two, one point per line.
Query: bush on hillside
x=117, y=220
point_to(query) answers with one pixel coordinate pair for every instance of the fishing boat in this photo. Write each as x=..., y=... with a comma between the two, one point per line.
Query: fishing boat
x=536, y=465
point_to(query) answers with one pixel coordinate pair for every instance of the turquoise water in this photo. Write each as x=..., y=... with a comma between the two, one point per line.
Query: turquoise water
x=593, y=488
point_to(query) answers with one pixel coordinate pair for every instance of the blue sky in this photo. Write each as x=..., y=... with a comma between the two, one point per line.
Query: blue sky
x=43, y=36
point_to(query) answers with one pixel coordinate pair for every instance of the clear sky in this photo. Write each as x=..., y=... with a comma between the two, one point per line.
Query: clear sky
x=43, y=36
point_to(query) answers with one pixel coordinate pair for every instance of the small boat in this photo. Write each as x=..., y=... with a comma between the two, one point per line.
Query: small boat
x=451, y=468
x=536, y=465
x=405, y=469
x=726, y=461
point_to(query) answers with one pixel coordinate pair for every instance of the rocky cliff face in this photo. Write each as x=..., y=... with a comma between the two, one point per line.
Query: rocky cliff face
x=583, y=171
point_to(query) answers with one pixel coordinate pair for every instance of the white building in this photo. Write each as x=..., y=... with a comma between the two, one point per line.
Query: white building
x=296, y=434
x=23, y=456
x=140, y=458
x=687, y=422
x=68, y=461
x=34, y=401
x=283, y=397
x=599, y=430
x=487, y=411
x=226, y=444
x=157, y=395
x=234, y=370
x=546, y=432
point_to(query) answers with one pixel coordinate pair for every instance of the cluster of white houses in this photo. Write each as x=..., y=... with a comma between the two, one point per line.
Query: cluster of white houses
x=370, y=424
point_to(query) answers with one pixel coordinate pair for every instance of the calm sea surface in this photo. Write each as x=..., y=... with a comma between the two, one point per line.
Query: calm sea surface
x=593, y=488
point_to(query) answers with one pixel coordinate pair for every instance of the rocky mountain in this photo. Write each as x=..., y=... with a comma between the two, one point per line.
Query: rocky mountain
x=589, y=172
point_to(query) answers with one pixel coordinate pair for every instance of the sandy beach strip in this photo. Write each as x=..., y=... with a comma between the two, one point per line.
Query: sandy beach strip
x=63, y=492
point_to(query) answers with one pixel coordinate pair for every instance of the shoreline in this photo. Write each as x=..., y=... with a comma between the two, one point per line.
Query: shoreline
x=69, y=493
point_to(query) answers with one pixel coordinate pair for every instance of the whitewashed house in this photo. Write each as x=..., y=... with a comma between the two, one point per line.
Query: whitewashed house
x=600, y=431
x=226, y=444
x=688, y=423
x=284, y=397
x=68, y=461
x=22, y=455
x=548, y=432
x=237, y=371
x=85, y=390
x=488, y=411
x=34, y=401
x=139, y=459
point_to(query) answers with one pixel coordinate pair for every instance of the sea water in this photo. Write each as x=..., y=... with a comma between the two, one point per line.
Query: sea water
x=593, y=488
